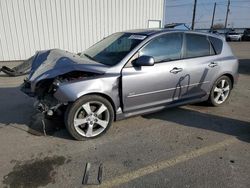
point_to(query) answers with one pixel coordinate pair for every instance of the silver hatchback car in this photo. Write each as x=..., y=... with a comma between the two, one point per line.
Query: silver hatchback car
x=130, y=73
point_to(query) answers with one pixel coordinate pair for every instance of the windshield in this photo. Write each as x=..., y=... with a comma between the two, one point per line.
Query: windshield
x=113, y=49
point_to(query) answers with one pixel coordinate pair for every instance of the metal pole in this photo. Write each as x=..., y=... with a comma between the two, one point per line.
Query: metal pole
x=212, y=24
x=228, y=5
x=194, y=11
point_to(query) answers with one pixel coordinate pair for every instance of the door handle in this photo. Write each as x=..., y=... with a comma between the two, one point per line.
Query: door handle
x=176, y=70
x=213, y=64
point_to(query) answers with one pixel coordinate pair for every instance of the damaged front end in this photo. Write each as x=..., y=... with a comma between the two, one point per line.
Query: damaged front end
x=49, y=70
x=44, y=92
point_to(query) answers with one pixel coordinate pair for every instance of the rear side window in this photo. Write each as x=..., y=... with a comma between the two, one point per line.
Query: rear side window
x=197, y=46
x=217, y=44
x=164, y=48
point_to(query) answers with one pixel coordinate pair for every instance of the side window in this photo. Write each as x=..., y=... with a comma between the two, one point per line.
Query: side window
x=217, y=44
x=164, y=48
x=197, y=46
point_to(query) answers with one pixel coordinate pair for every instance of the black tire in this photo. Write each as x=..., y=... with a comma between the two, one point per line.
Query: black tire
x=211, y=99
x=74, y=107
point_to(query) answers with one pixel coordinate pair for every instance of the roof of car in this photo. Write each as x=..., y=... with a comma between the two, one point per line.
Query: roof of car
x=150, y=32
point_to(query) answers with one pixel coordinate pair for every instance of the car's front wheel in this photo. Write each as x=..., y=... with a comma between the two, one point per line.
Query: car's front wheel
x=89, y=117
x=220, y=91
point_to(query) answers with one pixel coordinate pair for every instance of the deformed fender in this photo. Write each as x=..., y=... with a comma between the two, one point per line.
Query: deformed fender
x=108, y=86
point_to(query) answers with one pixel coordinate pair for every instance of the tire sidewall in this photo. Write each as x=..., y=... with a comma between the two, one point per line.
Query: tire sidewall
x=72, y=109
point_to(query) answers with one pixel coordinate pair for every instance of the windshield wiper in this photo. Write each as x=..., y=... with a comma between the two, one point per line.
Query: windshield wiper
x=88, y=56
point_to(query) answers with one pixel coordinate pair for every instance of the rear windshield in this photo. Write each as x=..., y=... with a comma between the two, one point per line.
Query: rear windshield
x=216, y=43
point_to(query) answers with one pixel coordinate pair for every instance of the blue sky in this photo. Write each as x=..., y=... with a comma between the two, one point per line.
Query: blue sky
x=181, y=11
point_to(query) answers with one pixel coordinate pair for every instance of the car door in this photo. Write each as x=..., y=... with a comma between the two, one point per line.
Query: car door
x=201, y=66
x=151, y=86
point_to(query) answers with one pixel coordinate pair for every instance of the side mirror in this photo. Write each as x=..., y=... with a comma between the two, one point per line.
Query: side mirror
x=144, y=61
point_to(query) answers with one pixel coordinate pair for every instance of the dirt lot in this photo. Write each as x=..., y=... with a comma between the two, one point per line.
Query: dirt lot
x=190, y=146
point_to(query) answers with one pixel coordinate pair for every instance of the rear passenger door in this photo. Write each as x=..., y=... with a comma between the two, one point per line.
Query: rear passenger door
x=201, y=66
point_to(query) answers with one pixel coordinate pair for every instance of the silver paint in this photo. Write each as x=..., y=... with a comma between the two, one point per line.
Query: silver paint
x=135, y=90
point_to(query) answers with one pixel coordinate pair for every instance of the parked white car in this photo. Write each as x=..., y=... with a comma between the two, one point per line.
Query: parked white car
x=233, y=36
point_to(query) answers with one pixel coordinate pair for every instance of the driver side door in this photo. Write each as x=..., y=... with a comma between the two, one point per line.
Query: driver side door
x=157, y=85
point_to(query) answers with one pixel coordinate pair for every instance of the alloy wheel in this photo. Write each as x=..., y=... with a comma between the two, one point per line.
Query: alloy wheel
x=221, y=91
x=91, y=119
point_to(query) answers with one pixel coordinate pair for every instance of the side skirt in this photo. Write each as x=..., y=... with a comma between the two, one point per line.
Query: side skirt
x=121, y=115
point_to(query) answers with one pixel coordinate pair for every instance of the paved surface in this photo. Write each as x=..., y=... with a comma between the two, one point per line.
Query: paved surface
x=190, y=146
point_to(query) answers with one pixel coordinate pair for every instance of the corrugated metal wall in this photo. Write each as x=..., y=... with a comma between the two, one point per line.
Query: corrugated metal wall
x=30, y=25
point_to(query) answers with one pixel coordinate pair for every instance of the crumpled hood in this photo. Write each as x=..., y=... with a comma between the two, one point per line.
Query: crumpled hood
x=51, y=63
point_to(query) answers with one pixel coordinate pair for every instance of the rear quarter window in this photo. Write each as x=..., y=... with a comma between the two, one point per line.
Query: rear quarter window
x=217, y=44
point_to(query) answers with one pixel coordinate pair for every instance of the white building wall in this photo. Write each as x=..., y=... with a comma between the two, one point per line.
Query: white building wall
x=30, y=25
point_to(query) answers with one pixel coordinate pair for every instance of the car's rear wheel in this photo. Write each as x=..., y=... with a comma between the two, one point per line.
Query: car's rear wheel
x=220, y=91
x=89, y=117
